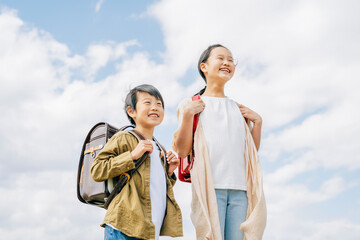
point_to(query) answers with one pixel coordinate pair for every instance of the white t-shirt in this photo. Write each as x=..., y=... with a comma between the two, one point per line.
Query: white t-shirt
x=224, y=131
x=157, y=189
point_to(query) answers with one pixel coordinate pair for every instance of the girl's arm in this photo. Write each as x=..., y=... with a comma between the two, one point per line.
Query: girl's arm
x=183, y=138
x=257, y=120
x=256, y=132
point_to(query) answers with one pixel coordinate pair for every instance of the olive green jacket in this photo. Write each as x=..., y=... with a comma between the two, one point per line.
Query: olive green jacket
x=130, y=210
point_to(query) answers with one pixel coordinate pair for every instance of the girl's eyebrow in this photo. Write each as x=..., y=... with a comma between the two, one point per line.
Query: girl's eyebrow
x=221, y=55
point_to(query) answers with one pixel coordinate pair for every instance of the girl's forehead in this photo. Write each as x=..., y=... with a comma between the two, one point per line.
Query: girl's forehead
x=220, y=51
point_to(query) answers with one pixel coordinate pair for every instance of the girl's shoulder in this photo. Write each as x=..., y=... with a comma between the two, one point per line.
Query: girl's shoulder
x=184, y=102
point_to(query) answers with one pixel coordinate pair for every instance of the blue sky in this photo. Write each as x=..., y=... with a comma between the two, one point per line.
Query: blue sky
x=115, y=20
x=66, y=65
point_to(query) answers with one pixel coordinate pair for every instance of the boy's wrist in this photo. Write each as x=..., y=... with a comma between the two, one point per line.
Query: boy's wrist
x=133, y=156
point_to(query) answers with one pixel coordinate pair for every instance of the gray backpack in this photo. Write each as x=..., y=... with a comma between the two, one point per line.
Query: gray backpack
x=101, y=193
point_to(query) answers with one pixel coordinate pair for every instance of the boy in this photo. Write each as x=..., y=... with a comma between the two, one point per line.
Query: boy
x=145, y=208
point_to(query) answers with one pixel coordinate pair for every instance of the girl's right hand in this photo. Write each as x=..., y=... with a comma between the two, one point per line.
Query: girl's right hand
x=142, y=147
x=195, y=107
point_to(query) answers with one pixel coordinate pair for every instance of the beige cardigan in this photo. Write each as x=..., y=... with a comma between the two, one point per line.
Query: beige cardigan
x=204, y=212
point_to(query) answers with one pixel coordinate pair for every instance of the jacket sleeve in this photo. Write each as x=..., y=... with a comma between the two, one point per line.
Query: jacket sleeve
x=114, y=159
x=172, y=179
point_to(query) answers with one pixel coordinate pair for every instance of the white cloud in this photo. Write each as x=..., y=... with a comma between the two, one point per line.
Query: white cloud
x=98, y=5
x=298, y=67
x=99, y=55
x=43, y=209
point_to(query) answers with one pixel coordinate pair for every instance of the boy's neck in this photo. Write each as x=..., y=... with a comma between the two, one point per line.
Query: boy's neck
x=214, y=91
x=146, y=132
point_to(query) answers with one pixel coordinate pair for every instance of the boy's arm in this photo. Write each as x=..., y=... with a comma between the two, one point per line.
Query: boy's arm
x=114, y=159
x=173, y=179
x=173, y=162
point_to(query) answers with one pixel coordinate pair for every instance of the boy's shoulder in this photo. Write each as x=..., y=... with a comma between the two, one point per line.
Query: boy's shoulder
x=124, y=137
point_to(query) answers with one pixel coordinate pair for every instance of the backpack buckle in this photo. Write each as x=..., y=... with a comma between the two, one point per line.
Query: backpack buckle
x=127, y=176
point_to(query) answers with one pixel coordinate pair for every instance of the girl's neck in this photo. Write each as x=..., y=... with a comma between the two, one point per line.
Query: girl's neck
x=214, y=91
x=146, y=132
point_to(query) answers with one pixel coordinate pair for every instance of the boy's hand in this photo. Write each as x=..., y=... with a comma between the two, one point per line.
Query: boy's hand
x=173, y=162
x=142, y=147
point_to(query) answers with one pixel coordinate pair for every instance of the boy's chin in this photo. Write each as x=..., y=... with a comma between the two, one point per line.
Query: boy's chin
x=152, y=124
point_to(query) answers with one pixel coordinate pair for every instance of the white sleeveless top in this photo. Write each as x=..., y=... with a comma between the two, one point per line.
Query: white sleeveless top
x=224, y=131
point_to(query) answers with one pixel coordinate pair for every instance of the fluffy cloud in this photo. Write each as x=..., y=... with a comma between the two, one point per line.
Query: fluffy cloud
x=297, y=66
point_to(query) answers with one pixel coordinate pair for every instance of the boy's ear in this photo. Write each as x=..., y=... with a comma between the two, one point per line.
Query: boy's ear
x=130, y=111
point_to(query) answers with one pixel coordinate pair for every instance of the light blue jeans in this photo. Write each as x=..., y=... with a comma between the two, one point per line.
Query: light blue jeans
x=113, y=234
x=232, y=206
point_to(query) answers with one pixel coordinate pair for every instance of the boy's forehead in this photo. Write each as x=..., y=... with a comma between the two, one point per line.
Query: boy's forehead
x=142, y=95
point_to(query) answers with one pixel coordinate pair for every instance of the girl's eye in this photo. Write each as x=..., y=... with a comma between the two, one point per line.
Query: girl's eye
x=159, y=103
x=147, y=102
x=230, y=60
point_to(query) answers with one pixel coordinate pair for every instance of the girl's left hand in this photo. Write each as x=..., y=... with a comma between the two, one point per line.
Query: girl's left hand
x=250, y=114
x=173, y=162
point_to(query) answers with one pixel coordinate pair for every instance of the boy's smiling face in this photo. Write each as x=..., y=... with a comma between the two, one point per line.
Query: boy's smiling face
x=149, y=110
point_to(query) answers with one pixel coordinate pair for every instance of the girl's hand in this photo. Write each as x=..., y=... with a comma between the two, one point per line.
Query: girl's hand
x=173, y=162
x=195, y=107
x=250, y=114
x=142, y=147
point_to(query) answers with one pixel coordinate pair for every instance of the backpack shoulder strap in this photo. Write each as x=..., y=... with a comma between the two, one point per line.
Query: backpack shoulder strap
x=125, y=177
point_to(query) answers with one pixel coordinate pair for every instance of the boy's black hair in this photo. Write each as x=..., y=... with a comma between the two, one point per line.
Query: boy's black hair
x=131, y=97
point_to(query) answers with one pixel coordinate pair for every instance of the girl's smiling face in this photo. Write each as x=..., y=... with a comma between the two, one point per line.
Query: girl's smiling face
x=220, y=65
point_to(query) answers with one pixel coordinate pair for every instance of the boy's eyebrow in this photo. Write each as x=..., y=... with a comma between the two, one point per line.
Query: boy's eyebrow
x=146, y=98
x=149, y=98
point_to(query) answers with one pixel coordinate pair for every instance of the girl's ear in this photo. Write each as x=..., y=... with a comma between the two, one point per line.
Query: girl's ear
x=203, y=67
x=130, y=111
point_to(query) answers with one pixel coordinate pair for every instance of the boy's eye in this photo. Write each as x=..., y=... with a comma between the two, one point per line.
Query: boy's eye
x=159, y=103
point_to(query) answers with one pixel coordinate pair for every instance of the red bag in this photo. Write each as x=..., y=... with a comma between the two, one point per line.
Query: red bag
x=186, y=164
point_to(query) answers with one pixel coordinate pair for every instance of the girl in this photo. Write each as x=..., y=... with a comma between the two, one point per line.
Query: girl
x=226, y=176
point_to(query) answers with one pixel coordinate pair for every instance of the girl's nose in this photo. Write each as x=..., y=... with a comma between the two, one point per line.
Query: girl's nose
x=226, y=62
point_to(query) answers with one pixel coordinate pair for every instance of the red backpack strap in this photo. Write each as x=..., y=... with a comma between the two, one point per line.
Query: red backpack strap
x=196, y=116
